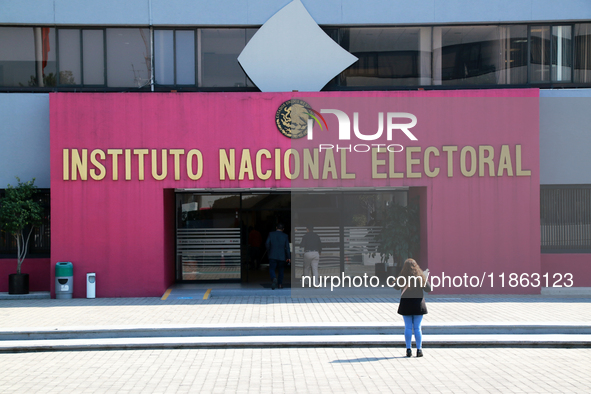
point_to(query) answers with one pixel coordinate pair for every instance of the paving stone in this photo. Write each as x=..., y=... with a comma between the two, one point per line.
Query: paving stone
x=235, y=310
x=294, y=370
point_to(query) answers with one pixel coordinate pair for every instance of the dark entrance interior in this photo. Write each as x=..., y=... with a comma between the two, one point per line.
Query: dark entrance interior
x=260, y=215
x=220, y=237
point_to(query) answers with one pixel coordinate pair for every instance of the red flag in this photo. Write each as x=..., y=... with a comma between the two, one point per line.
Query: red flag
x=46, y=49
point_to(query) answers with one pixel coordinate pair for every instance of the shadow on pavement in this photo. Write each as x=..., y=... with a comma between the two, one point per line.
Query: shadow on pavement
x=364, y=360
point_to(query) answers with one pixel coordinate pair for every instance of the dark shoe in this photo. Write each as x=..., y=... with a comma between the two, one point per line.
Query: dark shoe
x=281, y=286
x=274, y=284
x=408, y=353
x=419, y=353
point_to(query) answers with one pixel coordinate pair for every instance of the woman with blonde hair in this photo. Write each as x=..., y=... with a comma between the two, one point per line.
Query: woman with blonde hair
x=413, y=282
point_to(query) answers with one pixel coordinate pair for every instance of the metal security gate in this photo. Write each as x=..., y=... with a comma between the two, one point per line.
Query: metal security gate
x=209, y=253
x=361, y=246
x=208, y=237
x=221, y=236
x=330, y=258
x=565, y=218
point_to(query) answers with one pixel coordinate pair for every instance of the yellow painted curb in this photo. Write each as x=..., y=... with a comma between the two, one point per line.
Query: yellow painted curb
x=166, y=294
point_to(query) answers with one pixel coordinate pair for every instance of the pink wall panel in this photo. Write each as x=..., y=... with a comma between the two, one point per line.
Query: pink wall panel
x=122, y=230
x=579, y=265
x=37, y=268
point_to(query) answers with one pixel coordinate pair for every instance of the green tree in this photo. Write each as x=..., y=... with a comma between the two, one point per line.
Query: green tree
x=401, y=232
x=19, y=215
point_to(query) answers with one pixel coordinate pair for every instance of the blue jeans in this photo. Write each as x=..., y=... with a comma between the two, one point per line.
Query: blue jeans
x=278, y=265
x=413, y=322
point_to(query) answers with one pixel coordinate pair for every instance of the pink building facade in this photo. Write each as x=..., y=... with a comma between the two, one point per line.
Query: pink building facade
x=118, y=161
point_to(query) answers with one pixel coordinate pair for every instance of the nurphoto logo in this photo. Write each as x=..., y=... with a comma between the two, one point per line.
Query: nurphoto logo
x=296, y=119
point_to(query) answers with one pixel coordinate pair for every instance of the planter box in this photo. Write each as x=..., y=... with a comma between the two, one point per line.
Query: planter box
x=18, y=284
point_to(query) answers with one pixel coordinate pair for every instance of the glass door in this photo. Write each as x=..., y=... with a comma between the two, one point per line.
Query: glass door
x=261, y=212
x=322, y=213
x=208, y=237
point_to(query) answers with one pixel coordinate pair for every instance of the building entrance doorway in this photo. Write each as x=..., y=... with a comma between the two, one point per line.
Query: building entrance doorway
x=221, y=236
x=260, y=215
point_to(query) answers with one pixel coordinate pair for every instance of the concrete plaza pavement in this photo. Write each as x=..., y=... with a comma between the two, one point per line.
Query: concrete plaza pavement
x=276, y=319
x=299, y=370
x=330, y=367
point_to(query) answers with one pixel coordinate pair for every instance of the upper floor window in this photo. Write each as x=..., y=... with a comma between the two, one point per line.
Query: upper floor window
x=387, y=56
x=582, y=53
x=86, y=58
x=94, y=58
x=479, y=55
x=551, y=54
x=27, y=57
x=81, y=57
x=175, y=57
x=200, y=57
x=128, y=58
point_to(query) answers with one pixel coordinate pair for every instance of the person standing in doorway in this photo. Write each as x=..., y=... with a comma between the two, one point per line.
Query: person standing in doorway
x=312, y=249
x=279, y=254
x=413, y=282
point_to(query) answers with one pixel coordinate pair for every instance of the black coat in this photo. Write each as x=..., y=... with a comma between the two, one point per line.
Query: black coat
x=278, y=246
x=412, y=302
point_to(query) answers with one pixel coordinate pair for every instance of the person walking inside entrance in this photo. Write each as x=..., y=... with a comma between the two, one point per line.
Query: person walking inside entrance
x=413, y=282
x=279, y=254
x=312, y=249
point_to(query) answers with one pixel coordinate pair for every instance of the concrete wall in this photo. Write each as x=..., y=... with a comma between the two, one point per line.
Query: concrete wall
x=565, y=136
x=256, y=12
x=24, y=138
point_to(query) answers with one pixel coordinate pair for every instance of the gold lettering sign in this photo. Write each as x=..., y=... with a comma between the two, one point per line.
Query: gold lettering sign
x=263, y=164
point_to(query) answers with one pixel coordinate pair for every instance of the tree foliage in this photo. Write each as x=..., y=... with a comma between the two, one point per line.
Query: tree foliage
x=401, y=232
x=20, y=213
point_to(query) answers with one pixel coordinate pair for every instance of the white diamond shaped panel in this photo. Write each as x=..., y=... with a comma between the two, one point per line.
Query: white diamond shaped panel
x=291, y=52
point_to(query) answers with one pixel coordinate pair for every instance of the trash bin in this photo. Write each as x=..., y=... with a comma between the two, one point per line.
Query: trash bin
x=91, y=285
x=64, y=280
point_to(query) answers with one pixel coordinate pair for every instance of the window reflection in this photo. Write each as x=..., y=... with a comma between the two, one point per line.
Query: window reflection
x=514, y=54
x=387, y=56
x=479, y=55
x=81, y=63
x=93, y=57
x=27, y=57
x=69, y=57
x=540, y=53
x=204, y=211
x=164, y=57
x=45, y=57
x=128, y=57
x=219, y=57
x=582, y=53
x=185, y=57
x=551, y=53
x=174, y=57
x=561, y=53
